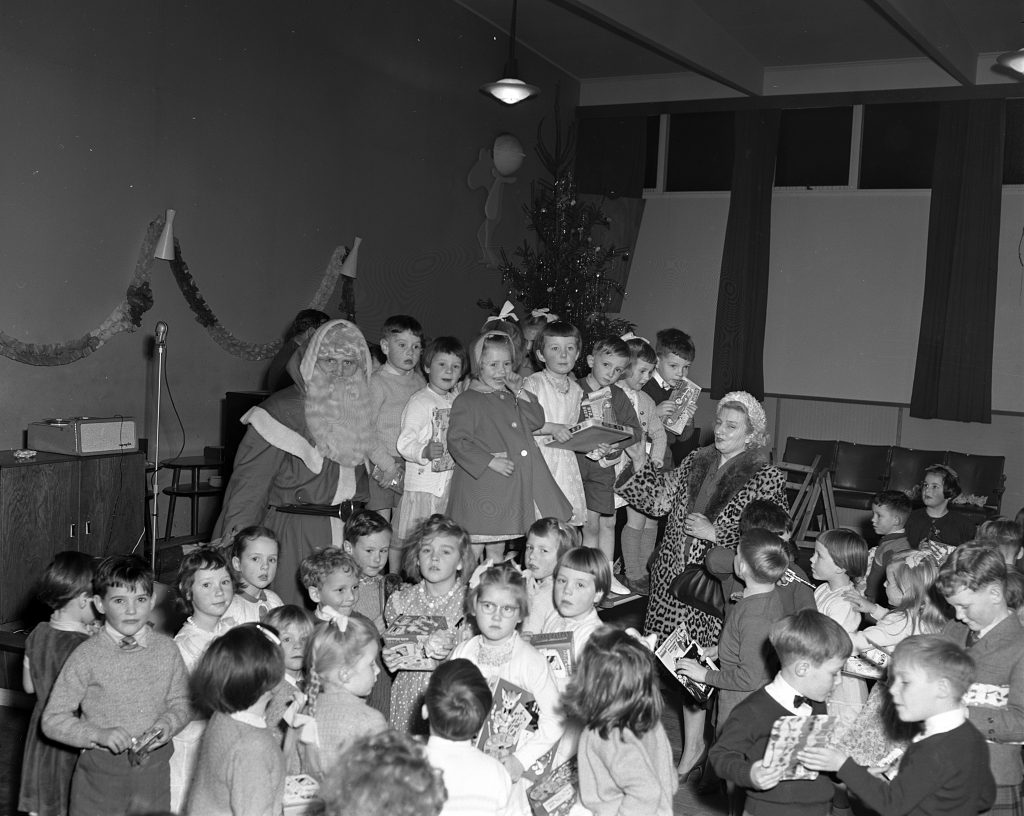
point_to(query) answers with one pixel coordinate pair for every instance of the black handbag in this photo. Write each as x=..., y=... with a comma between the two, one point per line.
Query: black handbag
x=696, y=587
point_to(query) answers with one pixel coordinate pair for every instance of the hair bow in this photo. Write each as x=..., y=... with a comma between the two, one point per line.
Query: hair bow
x=545, y=313
x=474, y=579
x=268, y=633
x=914, y=558
x=631, y=336
x=308, y=732
x=508, y=312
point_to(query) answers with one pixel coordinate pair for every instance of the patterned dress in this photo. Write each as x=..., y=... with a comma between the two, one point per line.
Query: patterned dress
x=409, y=686
x=746, y=477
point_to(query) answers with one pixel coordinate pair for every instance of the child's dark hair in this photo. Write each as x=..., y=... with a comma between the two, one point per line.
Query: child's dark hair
x=765, y=554
x=767, y=515
x=335, y=645
x=809, y=635
x=127, y=571
x=364, y=523
x=551, y=527
x=615, y=346
x=315, y=568
x=445, y=345
x=557, y=328
x=848, y=549
x=971, y=567
x=505, y=576
x=950, y=479
x=67, y=576
x=674, y=341
x=237, y=669
x=305, y=320
x=281, y=617
x=615, y=685
x=396, y=324
x=938, y=658
x=591, y=561
x=201, y=558
x=640, y=349
x=243, y=537
x=458, y=700
x=425, y=532
x=386, y=774
x=896, y=502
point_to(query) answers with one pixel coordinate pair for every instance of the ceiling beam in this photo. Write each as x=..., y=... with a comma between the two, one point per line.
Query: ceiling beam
x=680, y=31
x=930, y=25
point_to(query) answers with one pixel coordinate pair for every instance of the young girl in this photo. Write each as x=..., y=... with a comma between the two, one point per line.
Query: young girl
x=533, y=325
x=294, y=626
x=547, y=540
x=498, y=602
x=254, y=555
x=558, y=348
x=428, y=472
x=582, y=579
x=341, y=665
x=501, y=480
x=439, y=558
x=240, y=769
x=641, y=532
x=840, y=560
x=625, y=761
x=66, y=588
x=206, y=589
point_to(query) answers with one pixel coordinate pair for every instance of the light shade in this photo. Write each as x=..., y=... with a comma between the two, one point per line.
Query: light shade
x=510, y=90
x=1014, y=60
x=165, y=246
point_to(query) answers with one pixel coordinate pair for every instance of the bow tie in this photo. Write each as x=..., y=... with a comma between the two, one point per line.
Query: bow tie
x=800, y=700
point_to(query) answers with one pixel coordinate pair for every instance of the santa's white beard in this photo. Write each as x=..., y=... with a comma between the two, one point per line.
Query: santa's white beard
x=338, y=417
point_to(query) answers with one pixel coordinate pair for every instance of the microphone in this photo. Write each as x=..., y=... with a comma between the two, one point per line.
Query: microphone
x=161, y=334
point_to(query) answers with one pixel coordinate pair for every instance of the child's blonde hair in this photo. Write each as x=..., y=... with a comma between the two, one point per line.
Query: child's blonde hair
x=914, y=573
x=315, y=568
x=335, y=645
x=497, y=338
x=425, y=532
x=503, y=576
x=615, y=685
x=848, y=549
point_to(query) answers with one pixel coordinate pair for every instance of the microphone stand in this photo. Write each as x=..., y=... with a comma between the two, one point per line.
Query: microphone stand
x=154, y=515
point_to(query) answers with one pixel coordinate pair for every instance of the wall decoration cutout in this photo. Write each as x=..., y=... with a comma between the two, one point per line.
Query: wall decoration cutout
x=495, y=167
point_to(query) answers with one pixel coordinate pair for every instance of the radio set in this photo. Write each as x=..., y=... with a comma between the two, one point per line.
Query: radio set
x=84, y=436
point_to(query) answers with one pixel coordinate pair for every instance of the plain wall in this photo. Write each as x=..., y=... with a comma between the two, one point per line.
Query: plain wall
x=277, y=131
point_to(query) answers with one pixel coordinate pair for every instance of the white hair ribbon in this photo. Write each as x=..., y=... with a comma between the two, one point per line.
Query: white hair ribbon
x=474, y=579
x=545, y=313
x=508, y=312
x=630, y=336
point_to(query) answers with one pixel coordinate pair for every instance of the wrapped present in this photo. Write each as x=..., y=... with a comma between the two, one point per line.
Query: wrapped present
x=407, y=634
x=513, y=714
x=556, y=792
x=790, y=735
x=557, y=650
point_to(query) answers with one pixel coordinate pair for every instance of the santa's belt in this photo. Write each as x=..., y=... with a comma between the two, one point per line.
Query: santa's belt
x=342, y=511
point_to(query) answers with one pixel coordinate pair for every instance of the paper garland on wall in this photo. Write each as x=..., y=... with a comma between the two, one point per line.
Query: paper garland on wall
x=138, y=300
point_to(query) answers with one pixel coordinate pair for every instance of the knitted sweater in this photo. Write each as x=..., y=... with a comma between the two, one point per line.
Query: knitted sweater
x=114, y=687
x=627, y=774
x=342, y=717
x=240, y=771
x=391, y=391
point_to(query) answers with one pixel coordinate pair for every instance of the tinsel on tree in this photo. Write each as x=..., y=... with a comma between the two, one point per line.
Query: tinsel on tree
x=570, y=267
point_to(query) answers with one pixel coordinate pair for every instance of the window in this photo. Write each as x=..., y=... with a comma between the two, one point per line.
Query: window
x=898, y=146
x=814, y=147
x=700, y=147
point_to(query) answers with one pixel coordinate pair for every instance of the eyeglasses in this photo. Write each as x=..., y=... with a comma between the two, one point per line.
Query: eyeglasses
x=489, y=607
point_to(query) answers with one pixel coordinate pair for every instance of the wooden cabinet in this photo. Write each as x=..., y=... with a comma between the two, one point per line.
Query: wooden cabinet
x=94, y=504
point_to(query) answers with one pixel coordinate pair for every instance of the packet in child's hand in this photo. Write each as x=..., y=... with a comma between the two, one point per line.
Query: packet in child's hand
x=685, y=397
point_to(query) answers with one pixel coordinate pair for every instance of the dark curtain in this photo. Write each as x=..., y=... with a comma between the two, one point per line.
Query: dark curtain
x=610, y=156
x=738, y=361
x=953, y=375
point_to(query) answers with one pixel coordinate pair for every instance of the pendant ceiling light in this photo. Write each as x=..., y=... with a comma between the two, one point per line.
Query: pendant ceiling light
x=1013, y=60
x=510, y=89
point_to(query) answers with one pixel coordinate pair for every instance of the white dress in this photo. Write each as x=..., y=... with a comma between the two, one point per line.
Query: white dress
x=561, y=404
x=849, y=696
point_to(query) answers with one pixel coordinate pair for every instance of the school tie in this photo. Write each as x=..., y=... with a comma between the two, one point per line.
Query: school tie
x=972, y=638
x=129, y=644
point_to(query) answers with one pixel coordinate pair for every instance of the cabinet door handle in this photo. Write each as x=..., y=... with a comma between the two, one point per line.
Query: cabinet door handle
x=88, y=528
x=74, y=530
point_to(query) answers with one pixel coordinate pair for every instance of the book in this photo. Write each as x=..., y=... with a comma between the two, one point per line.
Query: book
x=590, y=433
x=678, y=645
x=556, y=792
x=557, y=650
x=514, y=713
x=408, y=633
x=598, y=405
x=792, y=734
x=439, y=433
x=685, y=396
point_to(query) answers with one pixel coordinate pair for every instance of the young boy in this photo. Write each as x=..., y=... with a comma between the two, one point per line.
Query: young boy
x=890, y=510
x=368, y=541
x=116, y=690
x=1006, y=536
x=973, y=582
x=812, y=649
x=582, y=579
x=597, y=468
x=934, y=522
x=391, y=386
x=675, y=356
x=331, y=577
x=458, y=701
x=793, y=587
x=946, y=769
x=760, y=561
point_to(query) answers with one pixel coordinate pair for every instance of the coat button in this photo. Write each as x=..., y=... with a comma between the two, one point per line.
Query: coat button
x=522, y=453
x=515, y=424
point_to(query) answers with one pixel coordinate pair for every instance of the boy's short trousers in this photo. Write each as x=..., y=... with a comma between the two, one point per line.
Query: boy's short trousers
x=105, y=783
x=382, y=498
x=597, y=486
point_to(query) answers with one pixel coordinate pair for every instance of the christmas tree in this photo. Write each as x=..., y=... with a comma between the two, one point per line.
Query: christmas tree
x=568, y=268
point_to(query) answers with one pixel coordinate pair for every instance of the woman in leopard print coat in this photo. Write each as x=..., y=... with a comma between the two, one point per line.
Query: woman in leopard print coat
x=703, y=499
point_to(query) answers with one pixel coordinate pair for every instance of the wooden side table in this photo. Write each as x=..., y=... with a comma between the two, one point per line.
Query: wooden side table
x=193, y=490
